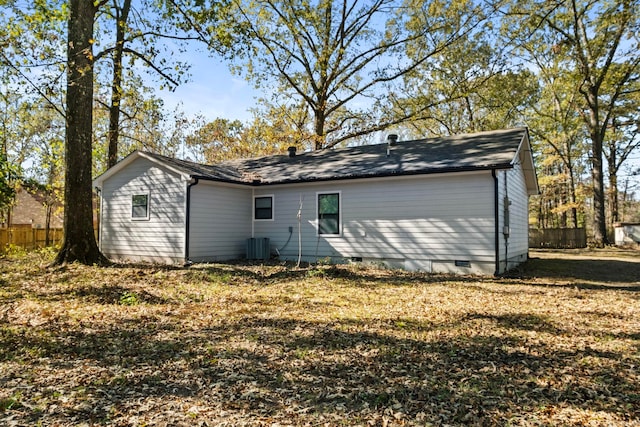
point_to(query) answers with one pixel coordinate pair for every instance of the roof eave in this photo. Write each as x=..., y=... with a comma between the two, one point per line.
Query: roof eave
x=524, y=155
x=99, y=180
x=500, y=166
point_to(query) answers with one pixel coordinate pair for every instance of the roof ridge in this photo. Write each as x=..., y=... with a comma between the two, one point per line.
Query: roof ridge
x=484, y=150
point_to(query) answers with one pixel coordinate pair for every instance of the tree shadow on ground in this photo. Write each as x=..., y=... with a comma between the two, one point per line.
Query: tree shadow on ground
x=295, y=370
x=584, y=273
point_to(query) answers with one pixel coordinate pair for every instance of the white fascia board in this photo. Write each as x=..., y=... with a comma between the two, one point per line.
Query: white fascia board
x=524, y=155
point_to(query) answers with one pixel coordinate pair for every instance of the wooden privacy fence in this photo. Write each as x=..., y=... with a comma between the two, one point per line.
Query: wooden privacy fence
x=28, y=238
x=558, y=238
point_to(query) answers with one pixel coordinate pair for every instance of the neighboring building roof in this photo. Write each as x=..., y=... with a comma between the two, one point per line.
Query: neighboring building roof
x=478, y=151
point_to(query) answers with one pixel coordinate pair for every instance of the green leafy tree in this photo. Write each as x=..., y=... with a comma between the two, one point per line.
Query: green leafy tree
x=559, y=141
x=138, y=37
x=13, y=143
x=622, y=142
x=223, y=139
x=467, y=88
x=144, y=122
x=217, y=140
x=339, y=58
x=7, y=188
x=598, y=40
x=32, y=41
x=279, y=123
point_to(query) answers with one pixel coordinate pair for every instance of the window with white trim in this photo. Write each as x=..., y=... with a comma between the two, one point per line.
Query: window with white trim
x=140, y=206
x=328, y=213
x=263, y=208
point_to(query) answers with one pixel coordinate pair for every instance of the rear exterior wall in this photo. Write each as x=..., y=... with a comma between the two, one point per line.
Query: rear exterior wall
x=428, y=223
x=220, y=221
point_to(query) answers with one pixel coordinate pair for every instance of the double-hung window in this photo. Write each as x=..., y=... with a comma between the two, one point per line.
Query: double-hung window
x=140, y=206
x=263, y=208
x=328, y=213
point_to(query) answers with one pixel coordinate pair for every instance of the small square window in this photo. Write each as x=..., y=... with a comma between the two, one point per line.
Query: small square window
x=140, y=206
x=263, y=207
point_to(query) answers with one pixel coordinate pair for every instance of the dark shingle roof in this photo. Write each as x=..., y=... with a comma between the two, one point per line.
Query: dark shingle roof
x=479, y=151
x=218, y=172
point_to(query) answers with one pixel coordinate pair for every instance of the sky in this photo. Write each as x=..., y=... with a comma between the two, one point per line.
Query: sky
x=212, y=91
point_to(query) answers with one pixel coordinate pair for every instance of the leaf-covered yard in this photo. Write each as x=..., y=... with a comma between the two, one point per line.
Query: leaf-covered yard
x=229, y=344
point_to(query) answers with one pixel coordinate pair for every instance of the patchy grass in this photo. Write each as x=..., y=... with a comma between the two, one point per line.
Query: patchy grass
x=556, y=344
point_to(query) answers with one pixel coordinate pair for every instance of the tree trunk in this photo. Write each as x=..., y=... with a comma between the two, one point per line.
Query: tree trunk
x=613, y=187
x=318, y=128
x=47, y=225
x=122, y=15
x=572, y=198
x=599, y=218
x=79, y=240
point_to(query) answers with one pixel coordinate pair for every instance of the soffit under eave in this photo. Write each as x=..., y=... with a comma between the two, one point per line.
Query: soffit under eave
x=524, y=156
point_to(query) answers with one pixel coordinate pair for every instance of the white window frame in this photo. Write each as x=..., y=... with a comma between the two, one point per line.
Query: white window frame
x=273, y=207
x=140, y=218
x=339, y=233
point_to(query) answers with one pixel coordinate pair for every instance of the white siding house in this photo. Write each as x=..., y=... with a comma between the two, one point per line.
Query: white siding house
x=456, y=204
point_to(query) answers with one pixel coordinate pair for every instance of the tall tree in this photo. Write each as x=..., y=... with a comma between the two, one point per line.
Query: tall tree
x=121, y=19
x=623, y=141
x=559, y=135
x=138, y=36
x=617, y=150
x=470, y=87
x=340, y=58
x=599, y=40
x=79, y=239
x=223, y=139
x=7, y=190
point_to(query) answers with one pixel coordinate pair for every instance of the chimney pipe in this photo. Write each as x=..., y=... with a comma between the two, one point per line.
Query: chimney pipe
x=391, y=140
x=292, y=151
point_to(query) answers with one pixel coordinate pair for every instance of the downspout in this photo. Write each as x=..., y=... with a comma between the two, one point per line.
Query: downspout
x=193, y=182
x=496, y=221
x=99, y=191
x=506, y=222
x=253, y=215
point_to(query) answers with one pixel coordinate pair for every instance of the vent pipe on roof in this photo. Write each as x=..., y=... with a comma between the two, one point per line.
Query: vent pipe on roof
x=392, y=140
x=292, y=151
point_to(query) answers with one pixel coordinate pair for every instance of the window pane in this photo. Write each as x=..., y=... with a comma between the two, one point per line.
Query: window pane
x=139, y=200
x=139, y=206
x=329, y=224
x=263, y=208
x=263, y=213
x=328, y=203
x=329, y=213
x=139, y=211
x=263, y=202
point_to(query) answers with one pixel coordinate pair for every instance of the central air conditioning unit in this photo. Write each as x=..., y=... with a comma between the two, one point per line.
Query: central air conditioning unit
x=258, y=248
